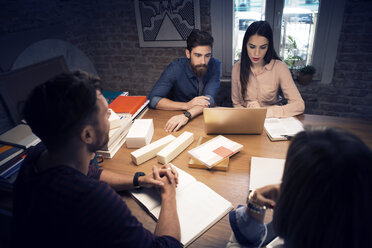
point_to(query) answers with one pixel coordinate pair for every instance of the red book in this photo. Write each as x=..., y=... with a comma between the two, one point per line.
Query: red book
x=127, y=104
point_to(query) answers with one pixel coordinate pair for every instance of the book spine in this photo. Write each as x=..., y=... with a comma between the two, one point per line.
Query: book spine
x=8, y=152
x=11, y=170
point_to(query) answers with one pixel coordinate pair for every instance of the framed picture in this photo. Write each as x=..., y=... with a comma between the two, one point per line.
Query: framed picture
x=166, y=23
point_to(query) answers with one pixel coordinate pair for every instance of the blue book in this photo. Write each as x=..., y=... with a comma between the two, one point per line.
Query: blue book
x=9, y=172
x=7, y=152
x=111, y=95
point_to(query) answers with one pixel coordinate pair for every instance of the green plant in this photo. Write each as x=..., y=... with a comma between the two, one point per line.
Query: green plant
x=292, y=59
x=308, y=69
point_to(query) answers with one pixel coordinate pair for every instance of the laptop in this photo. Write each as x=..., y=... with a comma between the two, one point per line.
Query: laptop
x=234, y=120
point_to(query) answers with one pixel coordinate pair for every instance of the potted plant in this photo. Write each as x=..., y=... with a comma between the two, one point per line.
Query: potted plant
x=292, y=59
x=305, y=75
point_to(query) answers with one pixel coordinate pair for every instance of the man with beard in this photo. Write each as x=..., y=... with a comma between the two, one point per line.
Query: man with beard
x=189, y=84
x=61, y=199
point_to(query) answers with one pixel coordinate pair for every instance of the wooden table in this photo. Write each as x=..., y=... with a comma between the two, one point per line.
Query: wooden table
x=232, y=184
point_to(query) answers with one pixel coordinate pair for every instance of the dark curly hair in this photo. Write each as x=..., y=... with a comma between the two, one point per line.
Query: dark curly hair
x=199, y=38
x=58, y=108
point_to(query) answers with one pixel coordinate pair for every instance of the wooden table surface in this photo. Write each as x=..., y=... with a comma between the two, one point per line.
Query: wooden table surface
x=232, y=184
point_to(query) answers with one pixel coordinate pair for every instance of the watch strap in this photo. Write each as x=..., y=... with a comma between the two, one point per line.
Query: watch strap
x=135, y=178
x=187, y=114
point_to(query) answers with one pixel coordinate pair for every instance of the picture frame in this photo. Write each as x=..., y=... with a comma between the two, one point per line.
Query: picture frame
x=166, y=23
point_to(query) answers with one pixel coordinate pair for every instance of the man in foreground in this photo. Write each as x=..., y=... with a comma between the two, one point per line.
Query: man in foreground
x=61, y=199
x=188, y=84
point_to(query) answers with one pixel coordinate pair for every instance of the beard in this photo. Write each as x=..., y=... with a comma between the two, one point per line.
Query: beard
x=199, y=70
x=102, y=140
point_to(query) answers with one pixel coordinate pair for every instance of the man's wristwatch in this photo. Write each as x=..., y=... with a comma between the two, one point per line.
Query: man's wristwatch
x=187, y=114
x=135, y=178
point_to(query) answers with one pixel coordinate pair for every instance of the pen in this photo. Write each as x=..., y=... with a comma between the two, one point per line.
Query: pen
x=288, y=137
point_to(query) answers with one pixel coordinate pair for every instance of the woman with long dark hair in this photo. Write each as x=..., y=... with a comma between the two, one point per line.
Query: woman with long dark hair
x=323, y=200
x=260, y=74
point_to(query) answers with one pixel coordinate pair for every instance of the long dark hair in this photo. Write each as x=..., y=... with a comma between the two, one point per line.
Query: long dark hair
x=326, y=191
x=261, y=28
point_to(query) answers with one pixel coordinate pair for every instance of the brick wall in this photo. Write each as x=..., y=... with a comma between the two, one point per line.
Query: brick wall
x=350, y=93
x=119, y=60
x=106, y=32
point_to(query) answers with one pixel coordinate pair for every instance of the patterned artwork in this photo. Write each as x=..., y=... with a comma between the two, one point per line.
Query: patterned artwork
x=166, y=23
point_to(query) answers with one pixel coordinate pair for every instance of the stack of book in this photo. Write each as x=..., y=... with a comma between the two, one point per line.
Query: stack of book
x=119, y=127
x=214, y=152
x=11, y=158
x=13, y=148
x=221, y=166
x=112, y=95
x=135, y=106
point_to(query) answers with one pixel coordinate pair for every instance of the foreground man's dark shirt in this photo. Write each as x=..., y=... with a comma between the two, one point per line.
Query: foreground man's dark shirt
x=61, y=207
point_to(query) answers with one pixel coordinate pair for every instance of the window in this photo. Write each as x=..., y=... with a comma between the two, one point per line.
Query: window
x=298, y=30
x=245, y=12
x=301, y=21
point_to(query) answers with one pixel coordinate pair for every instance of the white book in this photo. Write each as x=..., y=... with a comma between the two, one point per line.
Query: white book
x=20, y=135
x=198, y=206
x=215, y=150
x=115, y=120
x=110, y=152
x=149, y=151
x=140, y=134
x=116, y=134
x=174, y=148
x=265, y=171
x=282, y=128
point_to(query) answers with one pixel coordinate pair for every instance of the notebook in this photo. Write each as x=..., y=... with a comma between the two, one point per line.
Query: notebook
x=234, y=120
x=198, y=206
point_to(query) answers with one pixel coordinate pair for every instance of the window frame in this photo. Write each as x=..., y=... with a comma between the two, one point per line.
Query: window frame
x=325, y=43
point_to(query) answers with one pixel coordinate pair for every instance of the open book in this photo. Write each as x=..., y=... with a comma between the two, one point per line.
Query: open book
x=198, y=206
x=282, y=129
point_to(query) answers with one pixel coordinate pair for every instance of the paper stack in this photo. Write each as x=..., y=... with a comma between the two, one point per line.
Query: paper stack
x=282, y=128
x=119, y=127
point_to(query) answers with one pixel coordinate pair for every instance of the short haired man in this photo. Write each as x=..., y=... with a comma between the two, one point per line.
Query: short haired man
x=188, y=84
x=61, y=199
